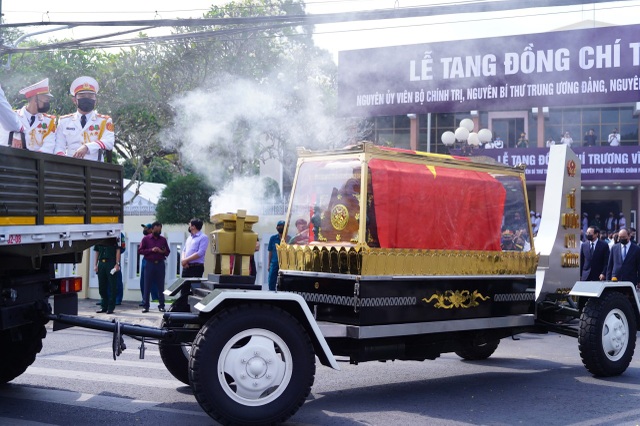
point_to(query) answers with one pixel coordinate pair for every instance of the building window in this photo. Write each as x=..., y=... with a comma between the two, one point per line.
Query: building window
x=440, y=123
x=602, y=120
x=392, y=131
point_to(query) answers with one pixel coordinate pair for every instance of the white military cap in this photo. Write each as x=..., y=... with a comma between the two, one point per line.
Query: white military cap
x=84, y=84
x=40, y=88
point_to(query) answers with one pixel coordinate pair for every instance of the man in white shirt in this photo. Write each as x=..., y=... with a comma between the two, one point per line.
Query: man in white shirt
x=614, y=138
x=622, y=222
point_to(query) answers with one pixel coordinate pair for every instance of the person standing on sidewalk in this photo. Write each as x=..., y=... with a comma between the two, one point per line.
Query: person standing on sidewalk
x=273, y=255
x=146, y=230
x=155, y=249
x=107, y=260
x=194, y=250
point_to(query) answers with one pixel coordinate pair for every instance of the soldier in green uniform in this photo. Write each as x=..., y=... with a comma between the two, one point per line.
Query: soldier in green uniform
x=107, y=259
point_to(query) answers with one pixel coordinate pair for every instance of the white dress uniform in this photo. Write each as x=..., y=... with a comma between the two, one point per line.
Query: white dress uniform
x=8, y=118
x=41, y=136
x=96, y=134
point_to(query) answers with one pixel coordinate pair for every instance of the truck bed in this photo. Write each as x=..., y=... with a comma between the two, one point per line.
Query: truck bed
x=55, y=206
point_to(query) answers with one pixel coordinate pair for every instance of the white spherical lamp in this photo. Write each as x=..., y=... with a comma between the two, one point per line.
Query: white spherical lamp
x=467, y=123
x=473, y=140
x=462, y=133
x=448, y=138
x=485, y=135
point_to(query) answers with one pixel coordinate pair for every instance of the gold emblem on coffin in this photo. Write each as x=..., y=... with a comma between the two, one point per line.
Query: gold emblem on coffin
x=456, y=299
x=339, y=217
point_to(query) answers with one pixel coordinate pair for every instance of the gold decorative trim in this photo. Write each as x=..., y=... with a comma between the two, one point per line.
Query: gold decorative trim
x=456, y=299
x=360, y=259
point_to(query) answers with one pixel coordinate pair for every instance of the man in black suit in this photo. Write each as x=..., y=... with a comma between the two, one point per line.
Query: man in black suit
x=624, y=260
x=594, y=256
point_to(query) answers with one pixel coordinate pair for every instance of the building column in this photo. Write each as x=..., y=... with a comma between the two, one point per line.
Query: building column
x=413, y=131
x=541, y=136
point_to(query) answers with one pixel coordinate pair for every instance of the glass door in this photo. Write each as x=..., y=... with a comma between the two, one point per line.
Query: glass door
x=509, y=129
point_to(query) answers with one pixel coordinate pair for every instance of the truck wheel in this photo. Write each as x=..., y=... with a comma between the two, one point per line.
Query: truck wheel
x=475, y=351
x=607, y=336
x=175, y=356
x=18, y=349
x=252, y=364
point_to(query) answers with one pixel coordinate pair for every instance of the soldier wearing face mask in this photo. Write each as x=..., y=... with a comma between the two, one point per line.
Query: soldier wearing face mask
x=85, y=133
x=39, y=127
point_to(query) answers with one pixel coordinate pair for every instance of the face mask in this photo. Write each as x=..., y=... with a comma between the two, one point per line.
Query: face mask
x=589, y=237
x=44, y=108
x=86, y=104
x=623, y=241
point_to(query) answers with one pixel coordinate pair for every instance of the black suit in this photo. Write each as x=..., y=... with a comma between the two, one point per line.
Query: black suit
x=592, y=265
x=627, y=270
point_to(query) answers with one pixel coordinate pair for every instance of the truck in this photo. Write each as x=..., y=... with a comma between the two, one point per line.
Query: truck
x=52, y=208
x=387, y=254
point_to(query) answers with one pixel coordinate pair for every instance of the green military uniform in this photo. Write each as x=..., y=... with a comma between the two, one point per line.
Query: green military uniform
x=107, y=282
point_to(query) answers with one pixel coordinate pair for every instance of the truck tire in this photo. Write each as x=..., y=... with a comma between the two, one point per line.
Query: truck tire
x=252, y=365
x=475, y=351
x=175, y=356
x=607, y=336
x=18, y=349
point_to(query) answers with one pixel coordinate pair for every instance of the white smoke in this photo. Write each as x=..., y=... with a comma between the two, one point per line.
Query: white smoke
x=226, y=130
x=238, y=194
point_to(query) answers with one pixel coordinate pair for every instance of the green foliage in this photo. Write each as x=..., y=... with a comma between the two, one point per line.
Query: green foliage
x=140, y=87
x=270, y=189
x=160, y=170
x=185, y=197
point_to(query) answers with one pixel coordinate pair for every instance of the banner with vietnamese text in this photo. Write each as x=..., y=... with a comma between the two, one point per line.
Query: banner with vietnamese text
x=563, y=68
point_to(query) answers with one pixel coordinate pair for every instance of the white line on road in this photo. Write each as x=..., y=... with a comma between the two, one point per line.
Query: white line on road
x=99, y=402
x=151, y=352
x=85, y=400
x=104, y=378
x=18, y=422
x=102, y=361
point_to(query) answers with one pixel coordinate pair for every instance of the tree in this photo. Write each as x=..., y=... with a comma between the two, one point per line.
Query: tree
x=219, y=106
x=184, y=198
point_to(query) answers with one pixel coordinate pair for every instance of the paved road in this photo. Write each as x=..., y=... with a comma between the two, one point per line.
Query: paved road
x=532, y=381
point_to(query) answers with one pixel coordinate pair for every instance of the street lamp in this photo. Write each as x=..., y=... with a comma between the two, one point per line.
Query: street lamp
x=466, y=136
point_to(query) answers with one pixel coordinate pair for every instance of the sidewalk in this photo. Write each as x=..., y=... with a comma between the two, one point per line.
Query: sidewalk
x=128, y=312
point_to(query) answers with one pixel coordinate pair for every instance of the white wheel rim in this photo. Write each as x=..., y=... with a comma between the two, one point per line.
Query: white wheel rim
x=615, y=334
x=256, y=371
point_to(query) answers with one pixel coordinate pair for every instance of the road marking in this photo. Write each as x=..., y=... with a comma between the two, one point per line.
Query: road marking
x=78, y=399
x=18, y=422
x=104, y=378
x=102, y=361
x=600, y=382
x=85, y=400
x=151, y=352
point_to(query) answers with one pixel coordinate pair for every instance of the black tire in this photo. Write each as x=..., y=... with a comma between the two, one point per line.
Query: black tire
x=607, y=336
x=475, y=350
x=18, y=349
x=252, y=365
x=175, y=356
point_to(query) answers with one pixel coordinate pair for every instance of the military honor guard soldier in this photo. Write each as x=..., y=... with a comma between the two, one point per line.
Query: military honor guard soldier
x=39, y=127
x=85, y=133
